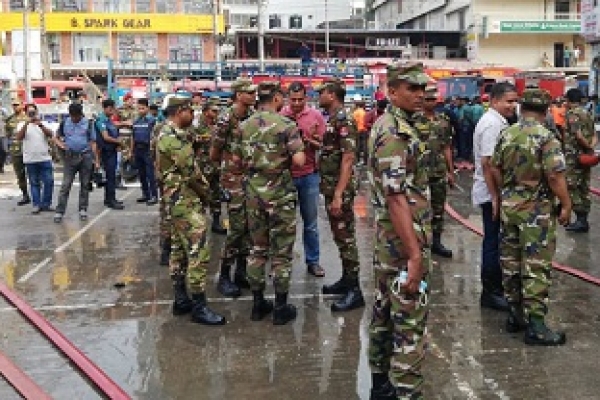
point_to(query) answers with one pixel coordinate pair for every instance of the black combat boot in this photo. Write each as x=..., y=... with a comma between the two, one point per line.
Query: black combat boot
x=438, y=248
x=165, y=252
x=201, y=314
x=225, y=286
x=240, y=277
x=539, y=334
x=340, y=287
x=382, y=388
x=516, y=320
x=283, y=312
x=216, y=224
x=181, y=301
x=492, y=295
x=353, y=298
x=261, y=307
x=580, y=225
x=24, y=200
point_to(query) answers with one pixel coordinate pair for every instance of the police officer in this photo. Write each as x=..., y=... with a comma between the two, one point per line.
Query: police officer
x=269, y=145
x=528, y=167
x=186, y=191
x=126, y=116
x=400, y=192
x=16, y=149
x=108, y=143
x=579, y=138
x=143, y=125
x=338, y=186
x=435, y=130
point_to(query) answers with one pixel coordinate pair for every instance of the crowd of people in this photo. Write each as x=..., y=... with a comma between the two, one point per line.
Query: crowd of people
x=270, y=153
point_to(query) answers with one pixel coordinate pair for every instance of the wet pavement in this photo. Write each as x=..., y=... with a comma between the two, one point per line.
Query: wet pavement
x=68, y=272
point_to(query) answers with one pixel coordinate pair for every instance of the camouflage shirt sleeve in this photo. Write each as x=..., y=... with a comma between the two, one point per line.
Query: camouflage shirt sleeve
x=221, y=133
x=294, y=144
x=446, y=131
x=496, y=159
x=348, y=133
x=391, y=158
x=553, y=160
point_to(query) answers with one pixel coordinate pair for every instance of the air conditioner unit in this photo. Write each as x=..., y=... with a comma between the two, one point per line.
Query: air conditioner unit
x=372, y=25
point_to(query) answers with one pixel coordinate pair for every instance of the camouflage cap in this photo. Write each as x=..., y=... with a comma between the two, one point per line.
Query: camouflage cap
x=176, y=100
x=268, y=87
x=431, y=92
x=331, y=83
x=243, y=85
x=536, y=97
x=213, y=103
x=412, y=73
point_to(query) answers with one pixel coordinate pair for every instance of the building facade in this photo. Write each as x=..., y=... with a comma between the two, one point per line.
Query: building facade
x=84, y=34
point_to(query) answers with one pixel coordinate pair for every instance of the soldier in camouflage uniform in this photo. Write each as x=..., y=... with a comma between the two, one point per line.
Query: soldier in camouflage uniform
x=528, y=167
x=237, y=245
x=127, y=114
x=16, y=149
x=400, y=192
x=435, y=130
x=339, y=188
x=579, y=138
x=203, y=132
x=269, y=145
x=164, y=221
x=186, y=190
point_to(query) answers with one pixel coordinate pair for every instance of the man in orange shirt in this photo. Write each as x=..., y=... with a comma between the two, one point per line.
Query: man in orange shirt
x=359, y=115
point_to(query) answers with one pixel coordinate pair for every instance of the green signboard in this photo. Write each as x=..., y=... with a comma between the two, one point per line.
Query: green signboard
x=540, y=26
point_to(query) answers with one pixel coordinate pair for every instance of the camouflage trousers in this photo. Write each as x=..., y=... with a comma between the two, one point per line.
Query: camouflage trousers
x=190, y=253
x=439, y=192
x=398, y=330
x=214, y=180
x=19, y=167
x=272, y=232
x=238, y=237
x=164, y=224
x=344, y=234
x=526, y=252
x=578, y=182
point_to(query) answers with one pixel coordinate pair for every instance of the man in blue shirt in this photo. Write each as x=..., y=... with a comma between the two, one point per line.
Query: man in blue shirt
x=108, y=142
x=143, y=126
x=76, y=138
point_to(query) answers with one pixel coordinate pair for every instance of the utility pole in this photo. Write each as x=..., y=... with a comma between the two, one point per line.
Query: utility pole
x=326, y=35
x=217, y=45
x=45, y=58
x=26, y=63
x=261, y=35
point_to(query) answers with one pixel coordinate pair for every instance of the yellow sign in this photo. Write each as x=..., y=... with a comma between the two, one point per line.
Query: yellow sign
x=105, y=22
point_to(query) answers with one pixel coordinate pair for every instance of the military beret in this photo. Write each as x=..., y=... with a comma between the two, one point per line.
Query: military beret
x=536, y=97
x=243, y=85
x=176, y=100
x=331, y=83
x=412, y=73
x=268, y=87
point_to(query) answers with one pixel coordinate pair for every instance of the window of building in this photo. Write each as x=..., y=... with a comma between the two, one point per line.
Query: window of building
x=197, y=7
x=241, y=20
x=143, y=6
x=185, y=48
x=16, y=5
x=54, y=47
x=89, y=48
x=562, y=8
x=114, y=6
x=166, y=6
x=137, y=47
x=70, y=5
x=240, y=2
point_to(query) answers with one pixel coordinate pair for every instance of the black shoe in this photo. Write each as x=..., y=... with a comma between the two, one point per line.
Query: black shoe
x=227, y=288
x=216, y=225
x=240, y=277
x=283, y=312
x=538, y=334
x=261, y=307
x=493, y=300
x=580, y=225
x=201, y=314
x=107, y=203
x=47, y=209
x=152, y=202
x=115, y=205
x=351, y=300
x=142, y=200
x=516, y=320
x=182, y=304
x=24, y=201
x=438, y=248
x=385, y=392
x=165, y=253
x=340, y=287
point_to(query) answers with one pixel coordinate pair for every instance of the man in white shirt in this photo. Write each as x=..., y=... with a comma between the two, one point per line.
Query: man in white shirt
x=37, y=159
x=503, y=101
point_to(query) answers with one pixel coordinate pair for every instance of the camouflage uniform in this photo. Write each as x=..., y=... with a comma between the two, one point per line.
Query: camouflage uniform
x=268, y=141
x=16, y=151
x=164, y=223
x=526, y=153
x=398, y=167
x=125, y=113
x=578, y=178
x=203, y=134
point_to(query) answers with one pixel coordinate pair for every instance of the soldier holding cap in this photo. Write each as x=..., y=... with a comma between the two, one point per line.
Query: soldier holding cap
x=402, y=260
x=186, y=190
x=237, y=245
x=338, y=186
x=528, y=167
x=436, y=132
x=270, y=144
